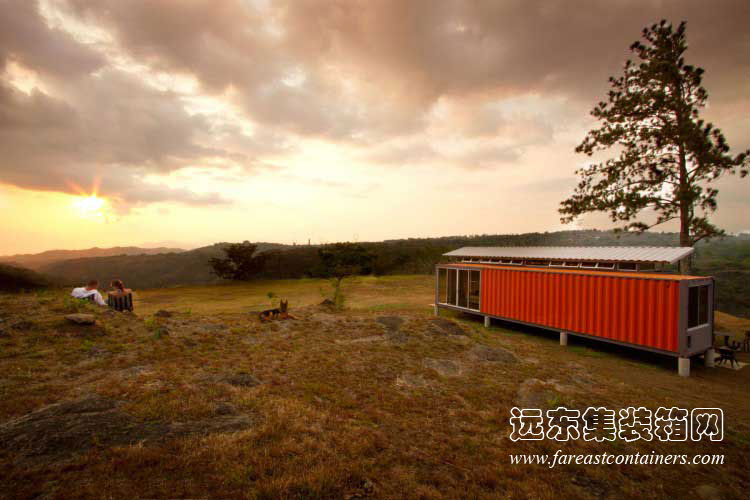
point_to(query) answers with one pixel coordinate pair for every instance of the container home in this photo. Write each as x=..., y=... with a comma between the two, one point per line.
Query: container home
x=613, y=294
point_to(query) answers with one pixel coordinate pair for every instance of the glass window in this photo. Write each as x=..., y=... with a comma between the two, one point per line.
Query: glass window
x=697, y=305
x=463, y=287
x=442, y=284
x=451, y=287
x=703, y=305
x=474, y=290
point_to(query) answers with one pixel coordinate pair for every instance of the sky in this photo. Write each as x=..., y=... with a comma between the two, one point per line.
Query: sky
x=146, y=122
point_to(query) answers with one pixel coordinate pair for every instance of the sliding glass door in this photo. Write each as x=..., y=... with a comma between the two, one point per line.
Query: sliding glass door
x=459, y=287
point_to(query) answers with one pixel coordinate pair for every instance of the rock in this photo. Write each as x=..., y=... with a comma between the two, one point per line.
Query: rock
x=398, y=337
x=23, y=325
x=460, y=339
x=447, y=327
x=211, y=328
x=445, y=367
x=410, y=380
x=225, y=408
x=241, y=379
x=368, y=486
x=62, y=430
x=492, y=354
x=227, y=423
x=97, y=351
x=535, y=393
x=391, y=323
x=81, y=319
x=361, y=340
x=163, y=314
x=135, y=371
x=708, y=492
x=161, y=331
x=328, y=304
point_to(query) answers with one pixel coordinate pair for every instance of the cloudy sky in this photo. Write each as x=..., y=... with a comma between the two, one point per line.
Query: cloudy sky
x=222, y=120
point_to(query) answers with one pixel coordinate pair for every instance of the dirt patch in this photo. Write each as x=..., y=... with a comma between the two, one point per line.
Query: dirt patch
x=240, y=379
x=391, y=323
x=535, y=393
x=24, y=325
x=446, y=327
x=86, y=331
x=362, y=340
x=59, y=431
x=411, y=381
x=81, y=319
x=445, y=367
x=492, y=354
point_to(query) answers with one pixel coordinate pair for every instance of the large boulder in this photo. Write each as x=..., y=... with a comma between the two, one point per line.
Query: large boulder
x=81, y=319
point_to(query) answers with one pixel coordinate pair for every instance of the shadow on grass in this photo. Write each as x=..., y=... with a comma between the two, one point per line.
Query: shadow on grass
x=583, y=346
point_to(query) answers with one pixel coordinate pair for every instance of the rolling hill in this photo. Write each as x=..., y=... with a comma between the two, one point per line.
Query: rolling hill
x=144, y=270
x=38, y=260
x=727, y=259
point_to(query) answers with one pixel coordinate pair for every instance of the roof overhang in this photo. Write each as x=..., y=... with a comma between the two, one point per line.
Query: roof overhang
x=668, y=255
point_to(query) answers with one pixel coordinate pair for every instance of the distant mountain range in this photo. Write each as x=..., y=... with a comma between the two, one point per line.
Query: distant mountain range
x=39, y=260
x=145, y=269
x=727, y=259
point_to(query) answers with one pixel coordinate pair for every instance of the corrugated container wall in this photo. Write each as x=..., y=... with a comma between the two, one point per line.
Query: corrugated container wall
x=637, y=311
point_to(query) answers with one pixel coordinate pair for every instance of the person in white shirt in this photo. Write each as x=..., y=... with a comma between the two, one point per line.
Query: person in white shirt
x=90, y=290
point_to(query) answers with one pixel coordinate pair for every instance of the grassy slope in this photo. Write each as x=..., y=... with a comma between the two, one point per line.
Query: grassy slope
x=343, y=409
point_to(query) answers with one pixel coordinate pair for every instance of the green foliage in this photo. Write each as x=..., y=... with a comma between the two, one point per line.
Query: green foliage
x=15, y=279
x=668, y=156
x=241, y=262
x=73, y=305
x=340, y=260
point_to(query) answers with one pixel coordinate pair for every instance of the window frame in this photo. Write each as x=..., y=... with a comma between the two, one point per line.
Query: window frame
x=703, y=297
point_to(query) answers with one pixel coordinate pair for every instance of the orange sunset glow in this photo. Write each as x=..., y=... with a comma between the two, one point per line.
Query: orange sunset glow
x=245, y=121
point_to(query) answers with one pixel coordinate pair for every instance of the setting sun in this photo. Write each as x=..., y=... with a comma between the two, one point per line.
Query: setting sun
x=90, y=206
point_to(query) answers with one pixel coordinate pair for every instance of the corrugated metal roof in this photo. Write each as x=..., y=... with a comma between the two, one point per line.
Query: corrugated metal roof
x=611, y=254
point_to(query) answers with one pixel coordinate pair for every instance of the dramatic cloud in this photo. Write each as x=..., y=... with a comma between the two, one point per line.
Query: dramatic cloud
x=131, y=93
x=363, y=70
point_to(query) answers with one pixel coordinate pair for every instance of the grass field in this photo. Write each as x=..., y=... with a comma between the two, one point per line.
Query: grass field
x=381, y=400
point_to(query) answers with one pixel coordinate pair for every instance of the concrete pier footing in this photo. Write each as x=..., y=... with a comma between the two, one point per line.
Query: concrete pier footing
x=710, y=358
x=487, y=321
x=683, y=367
x=563, y=338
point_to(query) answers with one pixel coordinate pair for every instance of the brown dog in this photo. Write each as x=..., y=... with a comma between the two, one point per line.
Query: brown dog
x=277, y=313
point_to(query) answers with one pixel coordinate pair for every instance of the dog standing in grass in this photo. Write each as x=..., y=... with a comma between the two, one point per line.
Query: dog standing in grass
x=280, y=312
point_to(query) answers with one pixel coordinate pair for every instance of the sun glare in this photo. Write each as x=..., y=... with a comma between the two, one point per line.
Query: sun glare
x=90, y=207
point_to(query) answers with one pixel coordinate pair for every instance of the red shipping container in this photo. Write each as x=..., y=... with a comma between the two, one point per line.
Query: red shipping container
x=671, y=314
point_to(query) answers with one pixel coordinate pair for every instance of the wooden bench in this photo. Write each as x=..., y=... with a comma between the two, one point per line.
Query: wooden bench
x=120, y=302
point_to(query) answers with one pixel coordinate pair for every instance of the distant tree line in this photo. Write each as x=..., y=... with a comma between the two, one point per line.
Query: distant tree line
x=728, y=259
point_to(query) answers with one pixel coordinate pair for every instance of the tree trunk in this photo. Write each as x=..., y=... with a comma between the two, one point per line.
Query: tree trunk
x=685, y=213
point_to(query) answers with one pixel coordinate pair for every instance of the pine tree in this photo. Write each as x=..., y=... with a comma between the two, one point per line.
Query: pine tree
x=668, y=156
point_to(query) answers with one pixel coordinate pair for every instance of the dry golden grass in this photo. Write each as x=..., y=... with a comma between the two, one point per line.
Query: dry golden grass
x=732, y=324
x=216, y=404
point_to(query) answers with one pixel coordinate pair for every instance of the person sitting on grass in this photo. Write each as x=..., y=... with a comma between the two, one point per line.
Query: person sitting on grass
x=89, y=292
x=118, y=288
